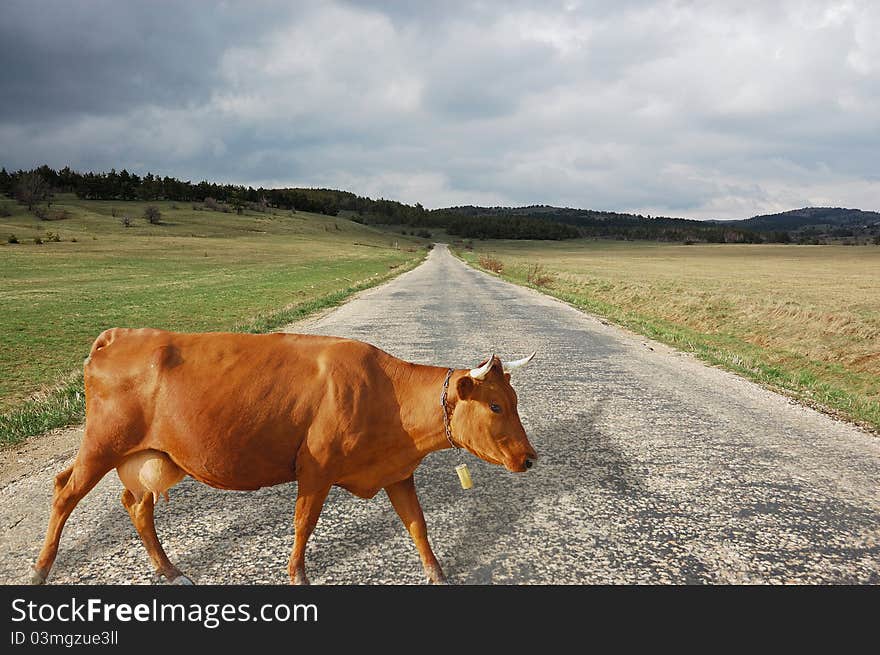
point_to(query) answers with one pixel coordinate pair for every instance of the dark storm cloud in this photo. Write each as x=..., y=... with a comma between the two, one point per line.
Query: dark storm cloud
x=708, y=109
x=65, y=59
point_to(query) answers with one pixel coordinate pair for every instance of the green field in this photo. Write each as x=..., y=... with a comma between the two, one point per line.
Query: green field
x=804, y=320
x=198, y=270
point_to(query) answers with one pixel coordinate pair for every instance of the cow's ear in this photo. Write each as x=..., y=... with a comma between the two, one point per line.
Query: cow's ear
x=507, y=378
x=465, y=387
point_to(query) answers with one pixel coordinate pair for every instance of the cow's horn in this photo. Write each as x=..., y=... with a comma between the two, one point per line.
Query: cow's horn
x=515, y=364
x=480, y=372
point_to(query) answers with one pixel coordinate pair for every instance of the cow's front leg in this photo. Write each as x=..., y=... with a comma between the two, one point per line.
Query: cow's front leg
x=309, y=501
x=403, y=496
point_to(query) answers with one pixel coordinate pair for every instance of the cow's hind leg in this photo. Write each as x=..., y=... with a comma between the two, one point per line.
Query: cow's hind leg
x=71, y=485
x=141, y=513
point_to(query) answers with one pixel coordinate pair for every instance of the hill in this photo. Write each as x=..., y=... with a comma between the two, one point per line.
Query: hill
x=125, y=186
x=611, y=225
x=535, y=222
x=825, y=222
x=539, y=222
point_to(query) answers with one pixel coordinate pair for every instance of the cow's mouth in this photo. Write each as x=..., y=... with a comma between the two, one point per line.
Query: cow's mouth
x=520, y=462
x=486, y=458
x=514, y=464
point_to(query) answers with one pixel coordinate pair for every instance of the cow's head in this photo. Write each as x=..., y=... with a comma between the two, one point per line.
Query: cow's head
x=486, y=420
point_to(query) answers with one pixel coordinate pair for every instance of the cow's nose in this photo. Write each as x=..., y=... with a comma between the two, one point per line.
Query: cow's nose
x=529, y=462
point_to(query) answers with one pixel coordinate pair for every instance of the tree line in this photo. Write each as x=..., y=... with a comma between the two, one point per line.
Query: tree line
x=123, y=185
x=590, y=223
x=534, y=222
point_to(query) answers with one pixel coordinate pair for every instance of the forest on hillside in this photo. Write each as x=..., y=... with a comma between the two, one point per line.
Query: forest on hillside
x=468, y=222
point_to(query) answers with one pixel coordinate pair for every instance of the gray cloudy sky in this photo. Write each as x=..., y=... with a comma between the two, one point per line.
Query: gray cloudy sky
x=700, y=109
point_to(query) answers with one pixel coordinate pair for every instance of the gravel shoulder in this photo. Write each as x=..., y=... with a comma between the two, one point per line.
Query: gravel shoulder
x=654, y=469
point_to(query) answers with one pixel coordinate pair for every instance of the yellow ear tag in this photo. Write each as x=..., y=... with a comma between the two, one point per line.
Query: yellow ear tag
x=464, y=476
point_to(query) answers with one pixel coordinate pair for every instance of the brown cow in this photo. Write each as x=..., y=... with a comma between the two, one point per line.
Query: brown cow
x=242, y=411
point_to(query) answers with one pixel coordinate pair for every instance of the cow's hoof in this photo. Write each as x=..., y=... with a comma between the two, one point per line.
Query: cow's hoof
x=435, y=576
x=300, y=579
x=36, y=577
x=182, y=580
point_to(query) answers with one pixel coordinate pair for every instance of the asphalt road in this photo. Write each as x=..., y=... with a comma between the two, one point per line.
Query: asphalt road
x=654, y=469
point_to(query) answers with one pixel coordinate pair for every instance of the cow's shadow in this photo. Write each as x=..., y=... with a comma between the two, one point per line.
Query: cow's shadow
x=573, y=453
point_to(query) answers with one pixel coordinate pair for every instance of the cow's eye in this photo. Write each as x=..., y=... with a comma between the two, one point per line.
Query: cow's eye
x=495, y=407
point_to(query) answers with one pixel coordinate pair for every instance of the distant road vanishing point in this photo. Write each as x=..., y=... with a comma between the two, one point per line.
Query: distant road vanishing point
x=653, y=468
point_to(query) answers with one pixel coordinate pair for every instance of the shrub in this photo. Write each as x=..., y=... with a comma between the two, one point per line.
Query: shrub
x=491, y=264
x=126, y=221
x=72, y=239
x=37, y=241
x=539, y=276
x=213, y=205
x=53, y=237
x=153, y=215
x=11, y=239
x=45, y=215
x=425, y=234
x=5, y=211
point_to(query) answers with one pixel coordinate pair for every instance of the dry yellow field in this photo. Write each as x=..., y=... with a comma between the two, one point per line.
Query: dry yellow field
x=803, y=319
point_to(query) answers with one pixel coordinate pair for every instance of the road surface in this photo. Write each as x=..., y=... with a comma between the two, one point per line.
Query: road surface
x=654, y=469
